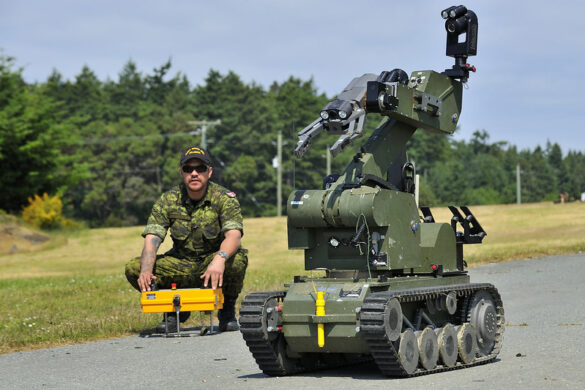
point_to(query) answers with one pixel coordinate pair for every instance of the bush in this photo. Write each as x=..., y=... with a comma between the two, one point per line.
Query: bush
x=46, y=212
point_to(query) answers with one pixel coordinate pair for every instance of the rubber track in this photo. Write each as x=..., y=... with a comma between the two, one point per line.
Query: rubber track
x=263, y=349
x=385, y=352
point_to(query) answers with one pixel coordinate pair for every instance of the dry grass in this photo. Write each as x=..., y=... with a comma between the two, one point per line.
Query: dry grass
x=525, y=231
x=72, y=288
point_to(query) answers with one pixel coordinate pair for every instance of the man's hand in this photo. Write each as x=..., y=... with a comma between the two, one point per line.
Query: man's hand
x=229, y=245
x=144, y=281
x=147, y=260
x=214, y=272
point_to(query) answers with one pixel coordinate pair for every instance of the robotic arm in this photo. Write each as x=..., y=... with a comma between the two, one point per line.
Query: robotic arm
x=346, y=114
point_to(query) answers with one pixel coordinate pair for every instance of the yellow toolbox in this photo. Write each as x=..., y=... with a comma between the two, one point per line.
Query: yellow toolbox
x=183, y=299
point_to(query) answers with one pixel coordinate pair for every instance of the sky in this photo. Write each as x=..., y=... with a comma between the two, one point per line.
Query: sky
x=526, y=91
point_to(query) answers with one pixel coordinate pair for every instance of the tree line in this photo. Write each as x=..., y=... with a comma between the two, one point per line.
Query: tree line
x=110, y=148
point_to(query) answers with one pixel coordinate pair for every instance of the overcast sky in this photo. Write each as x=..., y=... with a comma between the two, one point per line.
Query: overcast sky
x=527, y=90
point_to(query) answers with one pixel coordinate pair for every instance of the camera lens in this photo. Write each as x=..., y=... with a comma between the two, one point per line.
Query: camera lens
x=456, y=26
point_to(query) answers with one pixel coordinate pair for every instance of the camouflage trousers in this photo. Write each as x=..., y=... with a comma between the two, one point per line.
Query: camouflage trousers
x=186, y=273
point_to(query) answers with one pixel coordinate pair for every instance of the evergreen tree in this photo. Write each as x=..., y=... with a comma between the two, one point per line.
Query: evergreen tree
x=33, y=135
x=575, y=164
x=128, y=94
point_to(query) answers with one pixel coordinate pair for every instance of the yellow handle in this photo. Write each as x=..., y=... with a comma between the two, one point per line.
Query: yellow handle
x=320, y=306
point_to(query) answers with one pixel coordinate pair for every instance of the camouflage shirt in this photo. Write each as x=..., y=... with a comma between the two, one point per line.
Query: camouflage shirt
x=197, y=227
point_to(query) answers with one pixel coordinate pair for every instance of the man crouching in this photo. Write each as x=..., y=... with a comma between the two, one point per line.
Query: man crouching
x=206, y=228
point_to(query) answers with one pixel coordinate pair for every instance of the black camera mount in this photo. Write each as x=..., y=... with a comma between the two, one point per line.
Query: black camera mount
x=460, y=21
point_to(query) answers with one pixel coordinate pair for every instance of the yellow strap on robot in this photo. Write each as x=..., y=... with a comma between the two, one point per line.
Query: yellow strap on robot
x=320, y=306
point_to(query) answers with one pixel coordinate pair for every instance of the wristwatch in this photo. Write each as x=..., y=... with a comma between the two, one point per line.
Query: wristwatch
x=223, y=254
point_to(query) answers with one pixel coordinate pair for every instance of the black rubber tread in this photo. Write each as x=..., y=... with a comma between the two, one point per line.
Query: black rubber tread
x=264, y=348
x=385, y=352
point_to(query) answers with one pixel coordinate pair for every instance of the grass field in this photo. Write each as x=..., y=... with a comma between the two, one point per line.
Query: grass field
x=71, y=288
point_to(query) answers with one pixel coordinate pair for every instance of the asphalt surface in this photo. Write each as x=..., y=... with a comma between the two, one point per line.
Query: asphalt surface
x=544, y=347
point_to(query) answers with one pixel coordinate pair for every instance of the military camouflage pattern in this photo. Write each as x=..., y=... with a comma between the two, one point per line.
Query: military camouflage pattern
x=196, y=227
x=186, y=273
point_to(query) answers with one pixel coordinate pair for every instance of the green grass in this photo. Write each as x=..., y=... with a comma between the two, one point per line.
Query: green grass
x=52, y=311
x=72, y=289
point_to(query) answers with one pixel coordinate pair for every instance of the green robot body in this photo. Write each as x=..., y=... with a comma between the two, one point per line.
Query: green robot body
x=395, y=289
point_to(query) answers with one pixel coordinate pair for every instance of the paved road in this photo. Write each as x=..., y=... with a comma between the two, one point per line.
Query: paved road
x=544, y=347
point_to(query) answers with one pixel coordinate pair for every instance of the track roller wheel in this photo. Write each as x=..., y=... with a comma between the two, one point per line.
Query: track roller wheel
x=393, y=319
x=408, y=351
x=466, y=342
x=428, y=348
x=483, y=316
x=447, y=341
x=451, y=302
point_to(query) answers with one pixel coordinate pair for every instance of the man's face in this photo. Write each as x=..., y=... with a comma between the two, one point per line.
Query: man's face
x=195, y=181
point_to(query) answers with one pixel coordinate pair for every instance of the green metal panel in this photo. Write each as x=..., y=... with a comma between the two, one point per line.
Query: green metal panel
x=381, y=150
x=443, y=97
x=438, y=247
x=341, y=313
x=300, y=238
x=402, y=237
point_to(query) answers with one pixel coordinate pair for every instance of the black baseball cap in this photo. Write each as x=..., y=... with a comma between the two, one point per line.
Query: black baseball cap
x=195, y=152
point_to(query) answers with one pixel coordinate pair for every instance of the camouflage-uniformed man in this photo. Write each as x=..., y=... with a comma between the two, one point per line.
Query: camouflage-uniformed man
x=206, y=228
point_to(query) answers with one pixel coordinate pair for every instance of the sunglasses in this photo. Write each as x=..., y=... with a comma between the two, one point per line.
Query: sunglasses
x=191, y=168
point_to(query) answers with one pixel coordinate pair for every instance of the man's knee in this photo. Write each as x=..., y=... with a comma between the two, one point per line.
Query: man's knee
x=132, y=272
x=237, y=267
x=235, y=272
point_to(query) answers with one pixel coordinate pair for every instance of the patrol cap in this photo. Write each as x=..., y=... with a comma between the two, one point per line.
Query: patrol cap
x=195, y=152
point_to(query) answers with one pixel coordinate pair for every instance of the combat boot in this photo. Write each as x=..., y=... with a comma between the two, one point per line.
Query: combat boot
x=172, y=321
x=227, y=316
